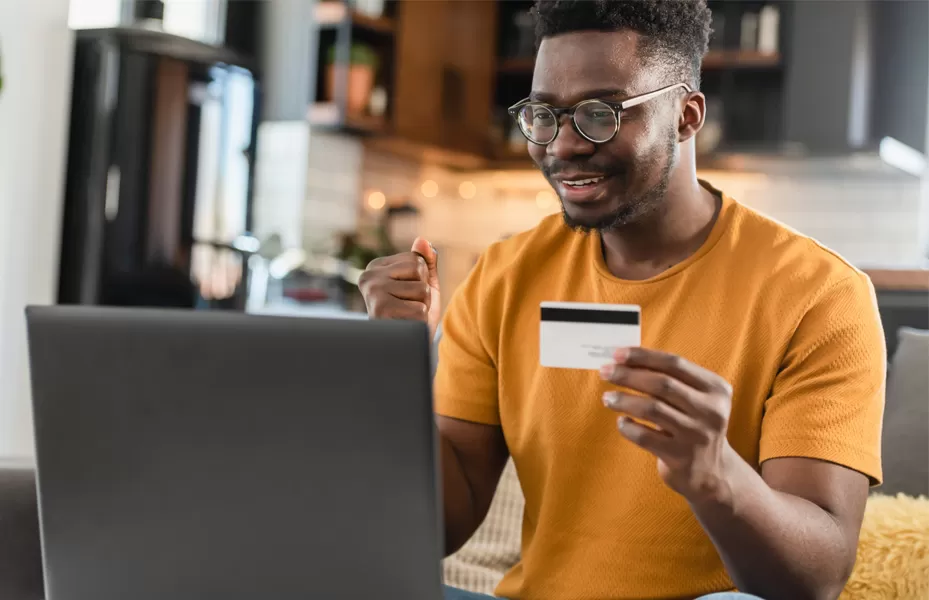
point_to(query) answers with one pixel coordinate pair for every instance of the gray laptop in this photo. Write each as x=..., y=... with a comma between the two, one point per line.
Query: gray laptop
x=209, y=456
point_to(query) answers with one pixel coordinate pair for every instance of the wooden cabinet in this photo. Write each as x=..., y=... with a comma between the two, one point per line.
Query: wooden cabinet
x=444, y=80
x=449, y=69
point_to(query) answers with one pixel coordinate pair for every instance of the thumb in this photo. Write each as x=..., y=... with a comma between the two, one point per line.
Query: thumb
x=427, y=251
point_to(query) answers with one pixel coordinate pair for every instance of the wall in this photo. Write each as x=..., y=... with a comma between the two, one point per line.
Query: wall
x=37, y=49
x=334, y=179
x=280, y=181
x=873, y=217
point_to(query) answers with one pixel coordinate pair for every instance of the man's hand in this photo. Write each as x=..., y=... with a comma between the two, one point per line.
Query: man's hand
x=690, y=406
x=472, y=455
x=404, y=286
x=789, y=532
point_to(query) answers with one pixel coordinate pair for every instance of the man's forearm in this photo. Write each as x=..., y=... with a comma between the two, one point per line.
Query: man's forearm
x=774, y=545
x=458, y=499
x=472, y=457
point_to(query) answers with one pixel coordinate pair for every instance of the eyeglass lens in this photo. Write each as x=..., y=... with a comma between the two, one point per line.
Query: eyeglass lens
x=595, y=120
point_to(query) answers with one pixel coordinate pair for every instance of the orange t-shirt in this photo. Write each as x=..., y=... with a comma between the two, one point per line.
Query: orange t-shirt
x=792, y=326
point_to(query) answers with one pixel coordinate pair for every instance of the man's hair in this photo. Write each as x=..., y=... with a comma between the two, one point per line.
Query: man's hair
x=675, y=33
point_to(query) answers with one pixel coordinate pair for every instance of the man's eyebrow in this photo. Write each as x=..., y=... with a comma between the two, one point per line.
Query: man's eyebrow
x=588, y=95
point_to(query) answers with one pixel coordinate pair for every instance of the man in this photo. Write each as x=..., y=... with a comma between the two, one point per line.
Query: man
x=761, y=368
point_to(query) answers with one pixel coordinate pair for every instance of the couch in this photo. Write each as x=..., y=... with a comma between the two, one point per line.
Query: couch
x=20, y=550
x=893, y=558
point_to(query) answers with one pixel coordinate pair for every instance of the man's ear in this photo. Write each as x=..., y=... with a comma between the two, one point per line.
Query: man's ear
x=693, y=114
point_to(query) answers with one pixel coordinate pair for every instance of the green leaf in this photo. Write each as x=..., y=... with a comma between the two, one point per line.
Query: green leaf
x=360, y=54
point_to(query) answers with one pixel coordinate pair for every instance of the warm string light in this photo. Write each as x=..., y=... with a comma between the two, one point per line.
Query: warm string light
x=429, y=188
x=377, y=200
x=467, y=190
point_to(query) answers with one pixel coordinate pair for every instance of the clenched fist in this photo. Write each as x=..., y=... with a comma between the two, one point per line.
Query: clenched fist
x=404, y=286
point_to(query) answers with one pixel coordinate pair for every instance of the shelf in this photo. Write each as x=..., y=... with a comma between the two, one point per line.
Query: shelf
x=426, y=153
x=716, y=60
x=332, y=14
x=516, y=66
x=506, y=152
x=505, y=157
x=899, y=279
x=326, y=115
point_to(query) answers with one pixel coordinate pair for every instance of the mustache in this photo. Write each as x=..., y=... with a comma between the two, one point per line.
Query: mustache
x=559, y=167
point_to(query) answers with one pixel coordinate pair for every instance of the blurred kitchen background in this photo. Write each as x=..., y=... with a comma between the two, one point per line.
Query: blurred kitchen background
x=255, y=155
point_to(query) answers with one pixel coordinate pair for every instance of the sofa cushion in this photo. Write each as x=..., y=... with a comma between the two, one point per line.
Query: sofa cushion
x=905, y=445
x=893, y=551
x=20, y=548
x=496, y=545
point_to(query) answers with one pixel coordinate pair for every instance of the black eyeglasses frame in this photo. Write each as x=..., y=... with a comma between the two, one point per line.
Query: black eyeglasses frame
x=617, y=107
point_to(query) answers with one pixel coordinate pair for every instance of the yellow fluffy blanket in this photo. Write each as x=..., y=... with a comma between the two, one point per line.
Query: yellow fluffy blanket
x=893, y=553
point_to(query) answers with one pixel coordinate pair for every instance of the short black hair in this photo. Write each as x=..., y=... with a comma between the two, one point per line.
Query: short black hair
x=675, y=33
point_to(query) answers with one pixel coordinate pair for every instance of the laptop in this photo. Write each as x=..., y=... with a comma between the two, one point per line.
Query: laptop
x=187, y=455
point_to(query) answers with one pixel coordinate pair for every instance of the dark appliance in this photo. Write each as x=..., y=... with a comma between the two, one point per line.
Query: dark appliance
x=160, y=172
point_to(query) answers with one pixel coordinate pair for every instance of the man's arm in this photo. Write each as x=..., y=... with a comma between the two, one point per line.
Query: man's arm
x=473, y=457
x=792, y=531
x=788, y=533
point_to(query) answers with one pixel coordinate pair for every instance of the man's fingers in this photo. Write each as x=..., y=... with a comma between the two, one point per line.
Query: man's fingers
x=646, y=438
x=384, y=261
x=403, y=310
x=677, y=367
x=659, y=413
x=402, y=286
x=427, y=251
x=654, y=384
x=403, y=267
x=410, y=290
x=411, y=311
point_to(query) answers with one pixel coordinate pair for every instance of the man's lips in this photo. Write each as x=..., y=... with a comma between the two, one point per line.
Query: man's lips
x=581, y=188
x=576, y=176
x=582, y=181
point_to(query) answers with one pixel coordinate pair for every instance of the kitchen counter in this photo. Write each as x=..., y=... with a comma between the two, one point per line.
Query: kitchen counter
x=319, y=310
x=899, y=279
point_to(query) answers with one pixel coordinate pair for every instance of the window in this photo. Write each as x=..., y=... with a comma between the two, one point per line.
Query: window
x=196, y=19
x=90, y=14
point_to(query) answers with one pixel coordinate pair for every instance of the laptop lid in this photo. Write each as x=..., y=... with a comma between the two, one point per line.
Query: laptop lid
x=191, y=455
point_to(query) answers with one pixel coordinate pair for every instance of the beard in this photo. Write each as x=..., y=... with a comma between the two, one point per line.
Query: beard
x=637, y=205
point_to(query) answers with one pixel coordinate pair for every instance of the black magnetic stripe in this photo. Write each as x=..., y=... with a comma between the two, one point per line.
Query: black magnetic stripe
x=574, y=315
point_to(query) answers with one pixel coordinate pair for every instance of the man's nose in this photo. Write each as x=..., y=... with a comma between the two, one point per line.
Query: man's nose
x=569, y=143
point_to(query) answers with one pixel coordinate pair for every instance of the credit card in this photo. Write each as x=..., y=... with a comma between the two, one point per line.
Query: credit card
x=580, y=335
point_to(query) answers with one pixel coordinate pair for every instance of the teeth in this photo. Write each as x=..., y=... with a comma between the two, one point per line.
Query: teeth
x=580, y=182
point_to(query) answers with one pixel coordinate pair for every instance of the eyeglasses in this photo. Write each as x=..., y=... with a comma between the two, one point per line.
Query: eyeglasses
x=596, y=120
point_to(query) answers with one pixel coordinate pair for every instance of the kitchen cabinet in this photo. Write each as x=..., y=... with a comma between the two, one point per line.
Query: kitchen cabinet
x=743, y=77
x=867, y=79
x=444, y=73
x=774, y=83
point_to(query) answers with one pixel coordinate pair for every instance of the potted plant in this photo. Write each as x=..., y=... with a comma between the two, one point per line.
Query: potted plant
x=360, y=73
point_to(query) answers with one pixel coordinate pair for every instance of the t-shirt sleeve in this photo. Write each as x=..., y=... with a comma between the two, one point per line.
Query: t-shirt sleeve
x=827, y=401
x=465, y=384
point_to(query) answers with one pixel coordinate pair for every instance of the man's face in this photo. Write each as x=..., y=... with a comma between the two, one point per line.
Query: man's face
x=635, y=166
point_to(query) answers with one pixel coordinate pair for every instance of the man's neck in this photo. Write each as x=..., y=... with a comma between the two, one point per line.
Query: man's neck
x=664, y=238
